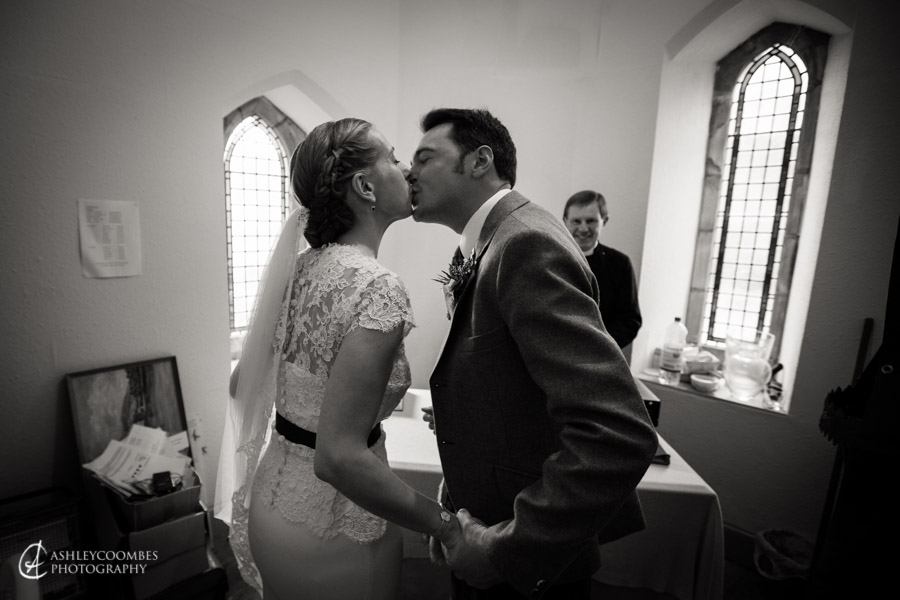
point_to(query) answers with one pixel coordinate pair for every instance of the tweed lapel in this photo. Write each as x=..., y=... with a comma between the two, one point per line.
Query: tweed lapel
x=504, y=207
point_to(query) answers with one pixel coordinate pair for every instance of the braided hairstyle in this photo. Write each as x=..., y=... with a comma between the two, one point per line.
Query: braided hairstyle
x=321, y=169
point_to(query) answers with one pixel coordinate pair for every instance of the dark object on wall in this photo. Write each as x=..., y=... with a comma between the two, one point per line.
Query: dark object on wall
x=856, y=545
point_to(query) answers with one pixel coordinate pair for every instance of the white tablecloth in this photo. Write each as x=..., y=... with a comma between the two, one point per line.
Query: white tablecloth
x=681, y=552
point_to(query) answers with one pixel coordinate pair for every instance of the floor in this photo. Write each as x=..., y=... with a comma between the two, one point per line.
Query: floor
x=418, y=577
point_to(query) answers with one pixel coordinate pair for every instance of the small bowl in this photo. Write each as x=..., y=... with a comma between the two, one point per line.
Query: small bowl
x=705, y=382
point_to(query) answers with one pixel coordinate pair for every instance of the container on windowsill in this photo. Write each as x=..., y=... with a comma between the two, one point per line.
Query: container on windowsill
x=697, y=360
x=705, y=382
x=671, y=365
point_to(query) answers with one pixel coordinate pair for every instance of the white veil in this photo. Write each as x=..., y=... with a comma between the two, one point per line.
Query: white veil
x=250, y=410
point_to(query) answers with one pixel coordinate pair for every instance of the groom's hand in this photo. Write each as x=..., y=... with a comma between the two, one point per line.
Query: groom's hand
x=468, y=557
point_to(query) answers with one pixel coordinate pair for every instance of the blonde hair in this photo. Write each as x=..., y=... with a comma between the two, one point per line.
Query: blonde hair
x=321, y=169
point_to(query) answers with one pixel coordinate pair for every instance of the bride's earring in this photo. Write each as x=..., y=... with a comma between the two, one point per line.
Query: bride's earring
x=373, y=207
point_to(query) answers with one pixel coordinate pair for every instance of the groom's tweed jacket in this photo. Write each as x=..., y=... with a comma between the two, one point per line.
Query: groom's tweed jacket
x=541, y=430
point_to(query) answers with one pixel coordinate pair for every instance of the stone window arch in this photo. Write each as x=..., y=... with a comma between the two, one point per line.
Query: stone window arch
x=259, y=140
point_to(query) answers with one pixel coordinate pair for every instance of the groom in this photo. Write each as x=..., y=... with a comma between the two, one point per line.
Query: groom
x=542, y=434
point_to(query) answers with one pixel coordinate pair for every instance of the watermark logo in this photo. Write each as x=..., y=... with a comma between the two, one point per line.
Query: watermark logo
x=37, y=561
x=31, y=569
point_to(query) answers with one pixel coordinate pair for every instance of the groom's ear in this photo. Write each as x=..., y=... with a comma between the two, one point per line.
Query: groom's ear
x=362, y=186
x=484, y=161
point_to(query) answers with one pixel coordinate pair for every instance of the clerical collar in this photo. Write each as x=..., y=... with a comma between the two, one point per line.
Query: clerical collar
x=472, y=230
x=591, y=251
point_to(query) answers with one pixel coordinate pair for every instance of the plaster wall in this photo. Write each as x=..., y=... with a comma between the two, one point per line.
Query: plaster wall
x=125, y=101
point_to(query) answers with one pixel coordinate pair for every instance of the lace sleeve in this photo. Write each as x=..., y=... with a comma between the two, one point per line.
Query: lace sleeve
x=384, y=304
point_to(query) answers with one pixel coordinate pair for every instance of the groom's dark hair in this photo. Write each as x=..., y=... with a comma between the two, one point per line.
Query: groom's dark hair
x=473, y=128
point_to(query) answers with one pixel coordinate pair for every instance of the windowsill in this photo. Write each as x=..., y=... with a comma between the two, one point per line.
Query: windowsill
x=649, y=376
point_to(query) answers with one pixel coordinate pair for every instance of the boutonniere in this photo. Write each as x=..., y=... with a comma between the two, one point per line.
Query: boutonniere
x=454, y=277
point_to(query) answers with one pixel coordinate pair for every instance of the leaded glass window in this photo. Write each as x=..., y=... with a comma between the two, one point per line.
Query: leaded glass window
x=760, y=159
x=761, y=138
x=256, y=203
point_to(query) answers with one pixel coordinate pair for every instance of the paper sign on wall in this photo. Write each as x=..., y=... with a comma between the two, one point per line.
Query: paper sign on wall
x=110, y=233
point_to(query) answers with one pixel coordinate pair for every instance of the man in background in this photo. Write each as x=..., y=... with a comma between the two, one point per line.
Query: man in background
x=585, y=216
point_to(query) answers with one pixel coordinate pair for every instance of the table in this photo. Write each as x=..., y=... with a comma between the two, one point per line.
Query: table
x=681, y=552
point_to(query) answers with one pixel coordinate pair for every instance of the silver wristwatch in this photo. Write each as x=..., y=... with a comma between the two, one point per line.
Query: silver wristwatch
x=445, y=523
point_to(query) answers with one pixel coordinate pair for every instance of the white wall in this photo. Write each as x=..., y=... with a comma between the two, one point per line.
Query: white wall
x=125, y=100
x=576, y=83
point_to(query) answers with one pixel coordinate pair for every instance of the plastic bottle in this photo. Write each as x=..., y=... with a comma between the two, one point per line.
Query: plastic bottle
x=672, y=361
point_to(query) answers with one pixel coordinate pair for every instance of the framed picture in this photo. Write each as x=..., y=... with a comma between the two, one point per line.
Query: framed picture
x=107, y=402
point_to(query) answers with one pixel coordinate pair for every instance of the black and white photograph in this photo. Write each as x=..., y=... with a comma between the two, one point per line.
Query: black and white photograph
x=448, y=300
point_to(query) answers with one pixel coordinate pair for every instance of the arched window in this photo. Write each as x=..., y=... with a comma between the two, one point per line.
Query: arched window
x=259, y=140
x=760, y=146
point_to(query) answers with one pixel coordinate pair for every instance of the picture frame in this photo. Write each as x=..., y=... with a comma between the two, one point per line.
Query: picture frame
x=107, y=401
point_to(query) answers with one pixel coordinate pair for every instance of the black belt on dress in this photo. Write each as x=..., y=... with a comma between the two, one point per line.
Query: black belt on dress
x=298, y=435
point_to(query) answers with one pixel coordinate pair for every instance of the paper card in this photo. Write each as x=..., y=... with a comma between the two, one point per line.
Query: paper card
x=119, y=463
x=110, y=236
x=175, y=444
x=149, y=439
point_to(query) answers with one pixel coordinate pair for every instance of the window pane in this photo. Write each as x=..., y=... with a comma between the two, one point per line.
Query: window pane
x=780, y=122
x=775, y=157
x=255, y=169
x=783, y=104
x=748, y=126
x=767, y=99
x=759, y=158
x=753, y=92
x=751, y=109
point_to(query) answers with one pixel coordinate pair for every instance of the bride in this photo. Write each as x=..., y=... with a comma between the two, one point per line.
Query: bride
x=313, y=507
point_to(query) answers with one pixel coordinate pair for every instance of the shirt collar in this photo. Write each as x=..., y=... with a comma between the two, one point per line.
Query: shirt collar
x=594, y=249
x=472, y=230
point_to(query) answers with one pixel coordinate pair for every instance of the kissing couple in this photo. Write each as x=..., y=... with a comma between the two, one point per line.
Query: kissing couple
x=543, y=436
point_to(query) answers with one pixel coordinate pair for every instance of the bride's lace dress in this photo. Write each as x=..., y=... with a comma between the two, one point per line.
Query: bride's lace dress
x=335, y=290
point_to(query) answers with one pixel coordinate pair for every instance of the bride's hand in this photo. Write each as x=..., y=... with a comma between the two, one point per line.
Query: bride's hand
x=451, y=539
x=428, y=417
x=439, y=548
